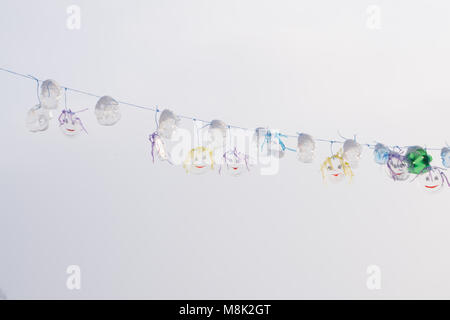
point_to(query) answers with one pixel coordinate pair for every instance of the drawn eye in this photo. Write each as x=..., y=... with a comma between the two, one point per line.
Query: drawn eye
x=436, y=178
x=330, y=168
x=428, y=179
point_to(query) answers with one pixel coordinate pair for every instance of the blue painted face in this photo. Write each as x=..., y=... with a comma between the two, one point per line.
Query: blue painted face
x=381, y=154
x=445, y=155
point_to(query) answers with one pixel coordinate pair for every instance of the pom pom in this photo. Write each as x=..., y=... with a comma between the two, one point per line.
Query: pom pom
x=199, y=161
x=445, y=155
x=37, y=119
x=217, y=134
x=107, y=111
x=306, y=147
x=168, y=123
x=51, y=94
x=235, y=162
x=381, y=154
x=70, y=124
x=418, y=159
x=335, y=169
x=352, y=152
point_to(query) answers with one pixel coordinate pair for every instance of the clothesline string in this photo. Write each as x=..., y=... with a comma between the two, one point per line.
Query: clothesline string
x=157, y=110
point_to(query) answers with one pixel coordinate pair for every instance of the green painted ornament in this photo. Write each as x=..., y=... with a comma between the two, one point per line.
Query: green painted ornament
x=418, y=159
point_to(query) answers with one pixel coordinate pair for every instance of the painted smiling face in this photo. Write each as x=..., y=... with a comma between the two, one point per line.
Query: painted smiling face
x=432, y=181
x=381, y=154
x=335, y=169
x=236, y=163
x=397, y=167
x=199, y=161
x=70, y=124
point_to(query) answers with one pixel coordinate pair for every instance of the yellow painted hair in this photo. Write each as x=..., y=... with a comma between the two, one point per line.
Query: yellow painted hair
x=191, y=155
x=345, y=165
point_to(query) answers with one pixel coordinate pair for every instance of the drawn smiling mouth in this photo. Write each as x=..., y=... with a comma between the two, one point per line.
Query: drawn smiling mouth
x=71, y=130
x=235, y=168
x=336, y=174
x=200, y=167
x=432, y=187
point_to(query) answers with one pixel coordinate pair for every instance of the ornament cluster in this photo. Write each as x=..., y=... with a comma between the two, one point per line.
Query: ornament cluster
x=400, y=164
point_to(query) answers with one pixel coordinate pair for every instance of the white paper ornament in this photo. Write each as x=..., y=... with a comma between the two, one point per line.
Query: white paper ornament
x=37, y=119
x=306, y=147
x=51, y=94
x=168, y=123
x=217, y=134
x=445, y=155
x=107, y=111
x=352, y=152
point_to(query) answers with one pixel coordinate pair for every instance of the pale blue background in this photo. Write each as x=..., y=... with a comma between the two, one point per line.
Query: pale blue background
x=139, y=230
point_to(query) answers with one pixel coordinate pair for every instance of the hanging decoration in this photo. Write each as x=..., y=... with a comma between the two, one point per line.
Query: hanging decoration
x=305, y=148
x=107, y=111
x=399, y=165
x=236, y=163
x=37, y=119
x=168, y=124
x=70, y=124
x=217, y=134
x=445, y=156
x=381, y=154
x=51, y=94
x=433, y=179
x=352, y=152
x=418, y=160
x=199, y=161
x=335, y=168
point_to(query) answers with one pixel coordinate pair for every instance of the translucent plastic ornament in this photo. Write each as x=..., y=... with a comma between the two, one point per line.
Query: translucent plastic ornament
x=418, y=160
x=217, y=134
x=107, y=111
x=268, y=144
x=235, y=163
x=397, y=167
x=445, y=156
x=381, y=154
x=352, y=152
x=335, y=169
x=70, y=124
x=199, y=161
x=51, y=94
x=37, y=119
x=158, y=148
x=168, y=123
x=432, y=180
x=305, y=148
